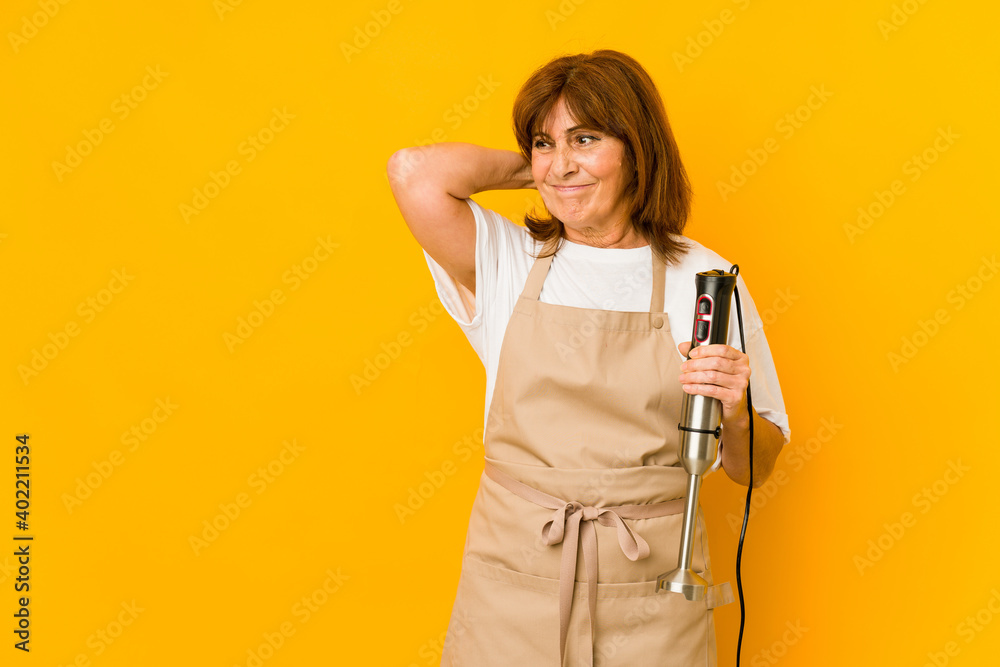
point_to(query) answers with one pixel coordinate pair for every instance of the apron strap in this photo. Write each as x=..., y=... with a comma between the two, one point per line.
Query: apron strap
x=536, y=276
x=659, y=283
x=718, y=595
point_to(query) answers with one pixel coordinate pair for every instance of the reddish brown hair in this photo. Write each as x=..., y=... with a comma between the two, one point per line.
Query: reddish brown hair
x=611, y=92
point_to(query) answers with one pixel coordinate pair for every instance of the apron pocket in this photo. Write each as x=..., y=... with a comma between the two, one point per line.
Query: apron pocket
x=503, y=617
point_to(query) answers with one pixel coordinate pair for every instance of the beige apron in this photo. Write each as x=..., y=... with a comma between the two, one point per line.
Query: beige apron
x=581, y=484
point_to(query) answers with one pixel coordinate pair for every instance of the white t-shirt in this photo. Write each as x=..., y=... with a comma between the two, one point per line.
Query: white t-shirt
x=589, y=277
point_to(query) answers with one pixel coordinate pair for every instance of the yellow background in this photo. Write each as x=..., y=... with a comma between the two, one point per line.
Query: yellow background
x=837, y=303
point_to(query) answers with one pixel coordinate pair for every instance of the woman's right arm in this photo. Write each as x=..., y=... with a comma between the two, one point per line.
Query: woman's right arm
x=430, y=184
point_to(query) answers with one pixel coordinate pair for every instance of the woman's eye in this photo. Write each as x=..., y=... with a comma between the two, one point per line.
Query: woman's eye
x=583, y=139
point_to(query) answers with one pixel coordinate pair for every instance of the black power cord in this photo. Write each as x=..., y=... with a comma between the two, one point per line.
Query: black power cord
x=735, y=270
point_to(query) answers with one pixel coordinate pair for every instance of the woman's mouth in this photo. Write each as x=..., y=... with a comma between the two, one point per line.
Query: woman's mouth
x=570, y=188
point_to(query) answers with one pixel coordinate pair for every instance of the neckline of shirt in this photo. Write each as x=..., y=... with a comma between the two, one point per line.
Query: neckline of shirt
x=589, y=252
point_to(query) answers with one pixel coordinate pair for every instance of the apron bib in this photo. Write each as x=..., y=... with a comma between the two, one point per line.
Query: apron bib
x=581, y=484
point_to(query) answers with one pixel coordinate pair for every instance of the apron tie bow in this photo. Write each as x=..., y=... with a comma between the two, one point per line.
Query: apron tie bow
x=553, y=532
x=573, y=522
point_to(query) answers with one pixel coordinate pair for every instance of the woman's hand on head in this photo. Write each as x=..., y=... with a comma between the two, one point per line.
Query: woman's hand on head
x=526, y=175
x=718, y=371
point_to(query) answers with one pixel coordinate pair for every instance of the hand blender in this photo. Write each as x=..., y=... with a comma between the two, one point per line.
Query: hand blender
x=699, y=428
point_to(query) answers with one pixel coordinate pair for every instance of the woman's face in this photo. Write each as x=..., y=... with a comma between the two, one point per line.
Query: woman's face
x=580, y=176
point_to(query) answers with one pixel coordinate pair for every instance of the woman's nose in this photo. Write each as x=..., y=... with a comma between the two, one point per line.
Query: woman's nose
x=564, y=162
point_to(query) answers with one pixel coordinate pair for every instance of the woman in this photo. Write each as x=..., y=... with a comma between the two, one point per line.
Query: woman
x=576, y=319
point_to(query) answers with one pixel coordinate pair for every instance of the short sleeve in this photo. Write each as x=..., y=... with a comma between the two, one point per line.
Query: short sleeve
x=497, y=240
x=765, y=390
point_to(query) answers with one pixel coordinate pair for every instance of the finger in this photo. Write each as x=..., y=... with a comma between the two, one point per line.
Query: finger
x=721, y=364
x=725, y=380
x=726, y=396
x=684, y=348
x=730, y=399
x=716, y=350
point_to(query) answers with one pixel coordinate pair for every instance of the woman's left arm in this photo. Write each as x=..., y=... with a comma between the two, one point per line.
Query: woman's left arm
x=723, y=372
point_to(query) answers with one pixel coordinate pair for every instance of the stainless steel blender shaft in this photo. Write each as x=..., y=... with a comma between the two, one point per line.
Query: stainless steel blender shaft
x=698, y=451
x=699, y=426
